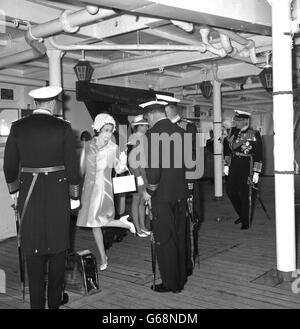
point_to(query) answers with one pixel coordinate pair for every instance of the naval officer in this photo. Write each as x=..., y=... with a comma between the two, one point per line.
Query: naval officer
x=167, y=191
x=243, y=165
x=41, y=169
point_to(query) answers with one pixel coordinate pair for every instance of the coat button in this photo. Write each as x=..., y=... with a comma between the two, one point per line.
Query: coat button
x=46, y=173
x=36, y=251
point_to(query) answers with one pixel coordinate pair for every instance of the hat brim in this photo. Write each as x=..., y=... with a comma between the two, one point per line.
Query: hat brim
x=141, y=123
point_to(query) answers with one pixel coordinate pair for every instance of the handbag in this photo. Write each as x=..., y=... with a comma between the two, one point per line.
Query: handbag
x=123, y=184
x=81, y=275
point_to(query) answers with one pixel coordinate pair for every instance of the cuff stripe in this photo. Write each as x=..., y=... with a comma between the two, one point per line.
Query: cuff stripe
x=257, y=167
x=74, y=191
x=14, y=186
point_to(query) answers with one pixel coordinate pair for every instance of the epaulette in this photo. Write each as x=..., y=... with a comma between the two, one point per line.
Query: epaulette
x=249, y=134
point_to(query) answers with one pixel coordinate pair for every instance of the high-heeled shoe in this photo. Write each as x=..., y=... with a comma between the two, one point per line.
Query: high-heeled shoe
x=146, y=232
x=124, y=220
x=104, y=266
x=142, y=235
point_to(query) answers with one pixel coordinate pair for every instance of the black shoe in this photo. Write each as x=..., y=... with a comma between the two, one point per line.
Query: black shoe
x=161, y=288
x=245, y=227
x=238, y=221
x=65, y=299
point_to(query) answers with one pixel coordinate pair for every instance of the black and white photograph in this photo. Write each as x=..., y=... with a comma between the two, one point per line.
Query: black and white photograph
x=149, y=158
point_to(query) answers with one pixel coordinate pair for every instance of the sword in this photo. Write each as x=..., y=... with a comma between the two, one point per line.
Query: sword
x=21, y=258
x=195, y=229
x=259, y=198
x=153, y=243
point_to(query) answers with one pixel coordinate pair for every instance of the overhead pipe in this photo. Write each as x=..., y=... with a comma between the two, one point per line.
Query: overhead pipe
x=249, y=45
x=244, y=88
x=67, y=22
x=204, y=31
x=201, y=47
x=226, y=44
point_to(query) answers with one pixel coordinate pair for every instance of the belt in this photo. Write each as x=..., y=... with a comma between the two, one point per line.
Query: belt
x=43, y=170
x=242, y=155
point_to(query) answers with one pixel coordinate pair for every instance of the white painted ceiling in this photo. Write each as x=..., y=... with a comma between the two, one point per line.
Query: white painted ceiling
x=148, y=22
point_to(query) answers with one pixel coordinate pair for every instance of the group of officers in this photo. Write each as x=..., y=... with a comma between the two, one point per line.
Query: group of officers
x=40, y=166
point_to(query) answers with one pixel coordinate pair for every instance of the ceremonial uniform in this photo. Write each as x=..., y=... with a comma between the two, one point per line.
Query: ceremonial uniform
x=40, y=162
x=190, y=128
x=168, y=189
x=243, y=155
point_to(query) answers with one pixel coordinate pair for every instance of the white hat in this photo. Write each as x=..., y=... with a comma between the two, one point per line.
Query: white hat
x=139, y=120
x=45, y=92
x=103, y=119
x=166, y=98
x=152, y=103
x=242, y=114
x=161, y=100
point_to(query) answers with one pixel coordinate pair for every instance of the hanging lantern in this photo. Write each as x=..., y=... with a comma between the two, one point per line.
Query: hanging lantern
x=266, y=78
x=206, y=88
x=83, y=70
x=266, y=75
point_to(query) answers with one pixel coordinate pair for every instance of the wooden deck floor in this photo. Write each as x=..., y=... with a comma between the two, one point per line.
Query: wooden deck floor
x=230, y=262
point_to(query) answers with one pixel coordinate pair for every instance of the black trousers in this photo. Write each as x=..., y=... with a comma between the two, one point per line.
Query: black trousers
x=238, y=189
x=36, y=269
x=170, y=233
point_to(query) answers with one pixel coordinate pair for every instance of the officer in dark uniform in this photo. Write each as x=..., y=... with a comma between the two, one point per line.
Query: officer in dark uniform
x=167, y=191
x=41, y=169
x=243, y=164
x=188, y=127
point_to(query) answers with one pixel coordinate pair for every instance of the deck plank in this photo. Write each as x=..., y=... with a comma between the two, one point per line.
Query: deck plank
x=230, y=260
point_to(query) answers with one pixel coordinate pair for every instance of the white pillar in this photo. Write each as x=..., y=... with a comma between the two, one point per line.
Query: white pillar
x=218, y=147
x=283, y=138
x=55, y=74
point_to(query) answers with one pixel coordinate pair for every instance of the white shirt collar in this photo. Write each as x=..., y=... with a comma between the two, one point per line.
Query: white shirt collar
x=176, y=119
x=41, y=111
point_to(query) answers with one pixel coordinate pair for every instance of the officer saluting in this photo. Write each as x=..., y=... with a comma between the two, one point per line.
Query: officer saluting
x=40, y=166
x=243, y=164
x=167, y=191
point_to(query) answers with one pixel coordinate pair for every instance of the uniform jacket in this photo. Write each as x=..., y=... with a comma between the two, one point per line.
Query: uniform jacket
x=247, y=143
x=40, y=141
x=189, y=128
x=165, y=184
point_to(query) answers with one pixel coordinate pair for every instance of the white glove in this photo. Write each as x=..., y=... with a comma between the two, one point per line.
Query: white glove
x=123, y=158
x=140, y=181
x=255, y=178
x=75, y=204
x=15, y=196
x=147, y=197
x=226, y=170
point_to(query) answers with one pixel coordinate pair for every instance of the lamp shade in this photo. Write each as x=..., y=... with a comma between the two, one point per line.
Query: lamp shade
x=206, y=88
x=83, y=70
x=266, y=78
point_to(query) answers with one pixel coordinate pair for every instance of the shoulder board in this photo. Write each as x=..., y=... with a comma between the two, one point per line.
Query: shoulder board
x=249, y=134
